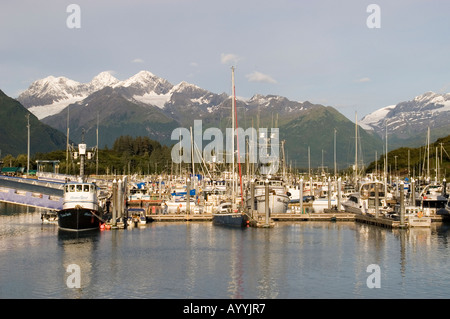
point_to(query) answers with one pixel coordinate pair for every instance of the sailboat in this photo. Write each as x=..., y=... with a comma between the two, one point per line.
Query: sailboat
x=227, y=213
x=81, y=209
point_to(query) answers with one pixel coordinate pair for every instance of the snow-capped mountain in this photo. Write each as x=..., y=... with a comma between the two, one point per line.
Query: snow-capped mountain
x=408, y=121
x=147, y=105
x=51, y=95
x=102, y=80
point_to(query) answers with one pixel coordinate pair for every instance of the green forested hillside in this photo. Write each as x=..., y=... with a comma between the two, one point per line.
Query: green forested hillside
x=418, y=161
x=14, y=132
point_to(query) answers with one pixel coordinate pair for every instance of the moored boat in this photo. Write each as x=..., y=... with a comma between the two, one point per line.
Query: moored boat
x=364, y=201
x=227, y=216
x=80, y=207
x=278, y=197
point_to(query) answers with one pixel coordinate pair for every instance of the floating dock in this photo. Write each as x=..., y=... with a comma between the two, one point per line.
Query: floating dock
x=327, y=215
x=178, y=217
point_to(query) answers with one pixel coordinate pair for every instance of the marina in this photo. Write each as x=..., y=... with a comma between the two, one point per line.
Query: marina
x=156, y=237
x=221, y=157
x=266, y=232
x=25, y=192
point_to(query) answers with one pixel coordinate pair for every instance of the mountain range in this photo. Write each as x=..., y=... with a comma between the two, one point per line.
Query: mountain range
x=148, y=105
x=407, y=123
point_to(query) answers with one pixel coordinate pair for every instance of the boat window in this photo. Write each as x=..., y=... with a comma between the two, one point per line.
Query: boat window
x=72, y=188
x=86, y=188
x=79, y=188
x=67, y=188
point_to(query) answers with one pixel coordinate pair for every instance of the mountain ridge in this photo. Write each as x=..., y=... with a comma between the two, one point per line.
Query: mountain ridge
x=14, y=133
x=145, y=104
x=408, y=121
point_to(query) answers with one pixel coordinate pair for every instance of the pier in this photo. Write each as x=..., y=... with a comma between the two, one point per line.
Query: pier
x=326, y=216
x=179, y=217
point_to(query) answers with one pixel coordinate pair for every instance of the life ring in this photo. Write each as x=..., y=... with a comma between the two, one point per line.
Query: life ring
x=420, y=214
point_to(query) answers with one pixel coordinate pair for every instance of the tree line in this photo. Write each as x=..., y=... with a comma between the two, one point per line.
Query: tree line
x=129, y=155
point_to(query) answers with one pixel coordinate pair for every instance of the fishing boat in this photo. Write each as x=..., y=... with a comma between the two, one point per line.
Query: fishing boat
x=228, y=214
x=179, y=205
x=81, y=209
x=432, y=199
x=364, y=201
x=327, y=197
x=414, y=216
x=49, y=217
x=278, y=196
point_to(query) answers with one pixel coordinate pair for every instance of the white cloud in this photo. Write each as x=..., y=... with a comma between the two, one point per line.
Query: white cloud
x=112, y=72
x=362, y=80
x=226, y=58
x=137, y=60
x=260, y=77
x=194, y=64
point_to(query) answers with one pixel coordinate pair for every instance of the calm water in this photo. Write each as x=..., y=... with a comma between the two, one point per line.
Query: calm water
x=199, y=260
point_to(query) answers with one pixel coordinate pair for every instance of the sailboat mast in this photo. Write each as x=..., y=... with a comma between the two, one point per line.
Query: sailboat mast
x=428, y=154
x=233, y=198
x=335, y=168
x=356, y=147
x=67, y=143
x=238, y=153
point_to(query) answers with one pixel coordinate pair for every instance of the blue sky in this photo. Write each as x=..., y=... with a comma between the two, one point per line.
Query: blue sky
x=321, y=51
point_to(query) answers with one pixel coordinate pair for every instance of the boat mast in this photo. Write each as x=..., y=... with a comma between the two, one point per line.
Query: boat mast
x=234, y=120
x=67, y=143
x=335, y=167
x=356, y=148
x=233, y=198
x=386, y=161
x=428, y=154
x=82, y=152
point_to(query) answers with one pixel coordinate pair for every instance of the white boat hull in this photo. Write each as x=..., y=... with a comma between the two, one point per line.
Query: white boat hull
x=278, y=204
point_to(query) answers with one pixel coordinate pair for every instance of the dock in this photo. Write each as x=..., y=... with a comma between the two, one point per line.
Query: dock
x=179, y=217
x=326, y=216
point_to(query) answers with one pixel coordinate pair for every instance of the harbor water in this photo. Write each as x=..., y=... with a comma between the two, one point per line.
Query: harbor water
x=195, y=260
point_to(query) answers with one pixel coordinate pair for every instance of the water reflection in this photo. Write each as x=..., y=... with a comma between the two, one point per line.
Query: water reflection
x=200, y=260
x=77, y=248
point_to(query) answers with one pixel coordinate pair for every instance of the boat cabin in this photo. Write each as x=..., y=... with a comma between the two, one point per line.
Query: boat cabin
x=79, y=187
x=82, y=195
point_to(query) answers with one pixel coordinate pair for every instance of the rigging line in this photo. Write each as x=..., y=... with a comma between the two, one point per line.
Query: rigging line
x=203, y=160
